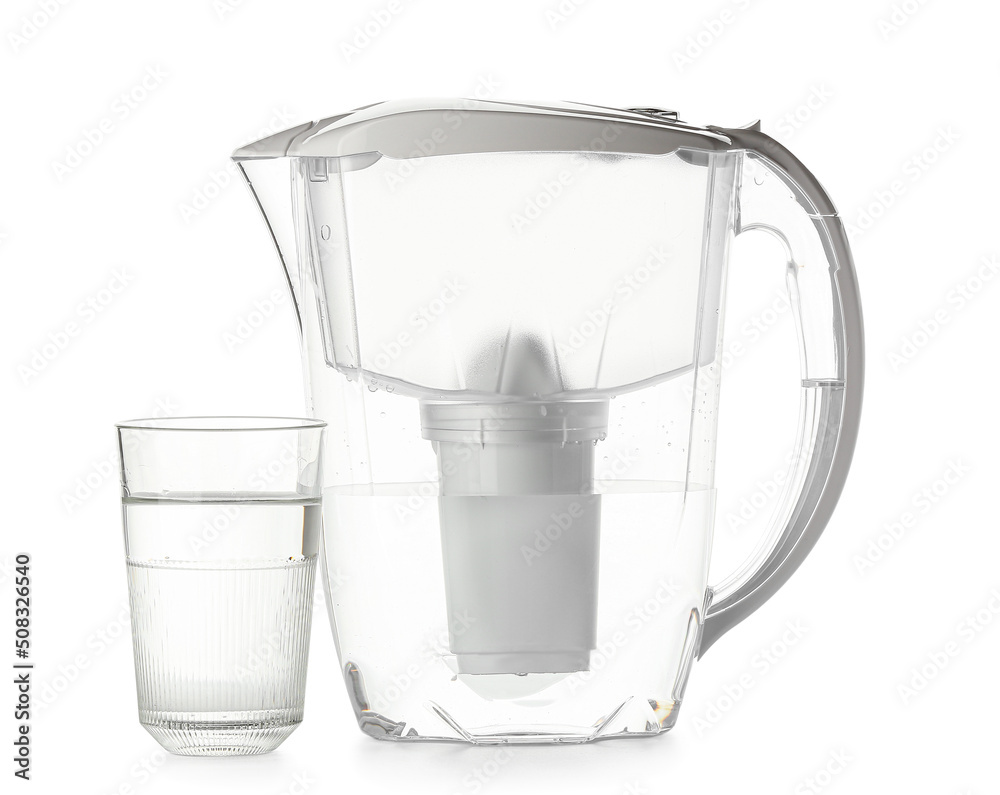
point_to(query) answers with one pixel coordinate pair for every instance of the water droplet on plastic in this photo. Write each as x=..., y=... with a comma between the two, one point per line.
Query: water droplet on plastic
x=389, y=388
x=372, y=388
x=324, y=232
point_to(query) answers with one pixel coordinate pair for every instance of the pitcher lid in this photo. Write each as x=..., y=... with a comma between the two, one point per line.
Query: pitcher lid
x=414, y=128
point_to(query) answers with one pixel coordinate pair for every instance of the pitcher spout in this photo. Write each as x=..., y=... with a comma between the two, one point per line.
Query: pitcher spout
x=267, y=176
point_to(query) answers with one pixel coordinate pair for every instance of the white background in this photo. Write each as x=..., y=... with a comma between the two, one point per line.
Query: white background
x=883, y=95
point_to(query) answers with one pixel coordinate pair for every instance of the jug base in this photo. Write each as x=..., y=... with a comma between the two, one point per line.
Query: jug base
x=621, y=723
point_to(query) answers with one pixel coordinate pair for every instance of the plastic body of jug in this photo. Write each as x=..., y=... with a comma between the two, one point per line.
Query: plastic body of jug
x=511, y=320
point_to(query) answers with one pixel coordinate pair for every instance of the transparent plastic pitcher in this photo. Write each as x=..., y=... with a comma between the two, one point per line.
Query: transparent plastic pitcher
x=511, y=321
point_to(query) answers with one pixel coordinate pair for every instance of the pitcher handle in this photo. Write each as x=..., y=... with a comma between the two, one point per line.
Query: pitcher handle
x=779, y=195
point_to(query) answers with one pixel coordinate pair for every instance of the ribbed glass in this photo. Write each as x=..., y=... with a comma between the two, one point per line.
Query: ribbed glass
x=221, y=539
x=221, y=653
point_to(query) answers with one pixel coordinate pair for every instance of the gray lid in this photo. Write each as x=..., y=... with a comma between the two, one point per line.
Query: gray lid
x=425, y=127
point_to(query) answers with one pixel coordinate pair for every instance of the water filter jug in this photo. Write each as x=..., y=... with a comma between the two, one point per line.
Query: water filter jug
x=511, y=320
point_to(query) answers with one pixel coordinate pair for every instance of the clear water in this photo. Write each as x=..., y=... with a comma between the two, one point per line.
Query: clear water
x=398, y=624
x=221, y=600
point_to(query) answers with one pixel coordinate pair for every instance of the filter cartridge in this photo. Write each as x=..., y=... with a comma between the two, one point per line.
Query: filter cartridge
x=520, y=531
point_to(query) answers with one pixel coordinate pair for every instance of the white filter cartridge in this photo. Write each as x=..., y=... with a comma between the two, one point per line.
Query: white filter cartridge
x=520, y=531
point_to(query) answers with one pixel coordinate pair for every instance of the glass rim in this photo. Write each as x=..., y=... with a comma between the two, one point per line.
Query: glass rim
x=221, y=424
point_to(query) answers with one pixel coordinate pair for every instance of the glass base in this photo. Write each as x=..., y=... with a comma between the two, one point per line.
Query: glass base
x=232, y=734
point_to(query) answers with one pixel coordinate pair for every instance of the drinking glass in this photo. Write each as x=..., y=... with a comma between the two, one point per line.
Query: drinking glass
x=222, y=521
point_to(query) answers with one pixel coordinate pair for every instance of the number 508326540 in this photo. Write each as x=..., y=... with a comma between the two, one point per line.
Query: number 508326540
x=22, y=606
